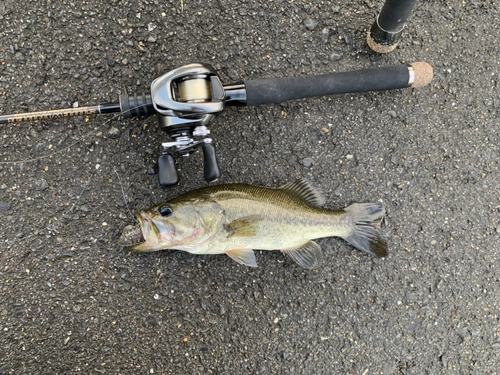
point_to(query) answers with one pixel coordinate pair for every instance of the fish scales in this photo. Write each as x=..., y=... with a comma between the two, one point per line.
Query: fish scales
x=284, y=218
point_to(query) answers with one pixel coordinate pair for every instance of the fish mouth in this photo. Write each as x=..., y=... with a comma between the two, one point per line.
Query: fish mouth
x=131, y=236
x=135, y=235
x=149, y=235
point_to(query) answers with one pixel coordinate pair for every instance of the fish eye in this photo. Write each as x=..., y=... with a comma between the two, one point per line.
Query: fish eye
x=165, y=211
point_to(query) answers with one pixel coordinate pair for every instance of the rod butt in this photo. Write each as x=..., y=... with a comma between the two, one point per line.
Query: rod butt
x=382, y=41
x=422, y=74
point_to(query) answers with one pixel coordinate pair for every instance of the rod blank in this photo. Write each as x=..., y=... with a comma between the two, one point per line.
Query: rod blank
x=59, y=113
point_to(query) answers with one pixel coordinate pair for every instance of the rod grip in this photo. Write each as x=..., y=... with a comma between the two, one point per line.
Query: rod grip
x=134, y=105
x=276, y=90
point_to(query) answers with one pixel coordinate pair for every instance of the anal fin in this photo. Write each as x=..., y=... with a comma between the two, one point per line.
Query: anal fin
x=243, y=256
x=309, y=255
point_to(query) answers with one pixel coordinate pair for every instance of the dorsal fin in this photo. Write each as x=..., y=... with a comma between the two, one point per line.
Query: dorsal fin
x=305, y=191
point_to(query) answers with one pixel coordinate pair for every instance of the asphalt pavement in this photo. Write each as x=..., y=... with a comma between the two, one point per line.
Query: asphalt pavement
x=72, y=301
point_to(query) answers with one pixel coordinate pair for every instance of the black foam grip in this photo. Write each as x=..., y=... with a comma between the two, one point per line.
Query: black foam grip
x=211, y=165
x=277, y=90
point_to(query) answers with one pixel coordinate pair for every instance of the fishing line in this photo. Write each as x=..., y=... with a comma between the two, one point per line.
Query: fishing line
x=67, y=147
x=124, y=197
x=52, y=227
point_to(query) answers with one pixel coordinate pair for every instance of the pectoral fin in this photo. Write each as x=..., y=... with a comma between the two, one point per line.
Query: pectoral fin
x=245, y=227
x=243, y=256
x=308, y=255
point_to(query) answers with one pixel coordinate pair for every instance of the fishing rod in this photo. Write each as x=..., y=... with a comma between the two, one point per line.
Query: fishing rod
x=187, y=98
x=386, y=31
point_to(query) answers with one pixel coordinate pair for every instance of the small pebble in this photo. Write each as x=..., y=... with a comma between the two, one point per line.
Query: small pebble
x=335, y=57
x=307, y=162
x=41, y=184
x=114, y=132
x=76, y=308
x=392, y=114
x=310, y=24
x=5, y=206
x=324, y=35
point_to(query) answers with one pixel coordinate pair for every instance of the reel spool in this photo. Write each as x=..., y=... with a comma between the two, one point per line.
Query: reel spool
x=194, y=89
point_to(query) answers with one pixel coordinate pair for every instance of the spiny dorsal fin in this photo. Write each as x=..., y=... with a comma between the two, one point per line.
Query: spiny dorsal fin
x=243, y=256
x=308, y=255
x=247, y=226
x=305, y=190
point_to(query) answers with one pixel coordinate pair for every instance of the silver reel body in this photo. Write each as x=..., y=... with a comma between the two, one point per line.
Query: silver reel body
x=186, y=100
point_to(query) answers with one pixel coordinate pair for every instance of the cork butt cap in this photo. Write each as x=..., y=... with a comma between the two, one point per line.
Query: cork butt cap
x=379, y=48
x=423, y=74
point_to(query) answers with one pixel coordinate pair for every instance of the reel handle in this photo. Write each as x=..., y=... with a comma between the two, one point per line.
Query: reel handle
x=167, y=174
x=211, y=165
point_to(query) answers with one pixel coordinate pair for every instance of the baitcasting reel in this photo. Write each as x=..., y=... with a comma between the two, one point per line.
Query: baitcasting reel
x=186, y=99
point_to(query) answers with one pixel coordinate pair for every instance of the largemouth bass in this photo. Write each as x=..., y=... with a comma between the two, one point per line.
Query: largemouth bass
x=235, y=219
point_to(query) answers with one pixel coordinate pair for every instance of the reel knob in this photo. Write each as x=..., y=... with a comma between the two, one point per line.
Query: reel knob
x=211, y=165
x=167, y=174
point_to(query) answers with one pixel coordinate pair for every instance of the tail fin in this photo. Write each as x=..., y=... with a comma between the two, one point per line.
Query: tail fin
x=366, y=234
